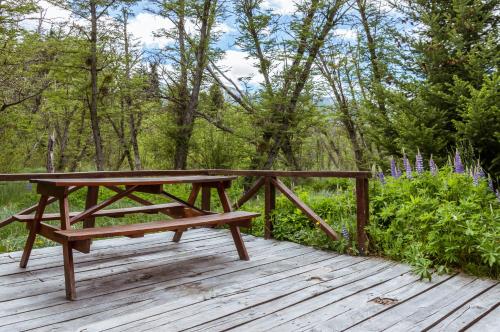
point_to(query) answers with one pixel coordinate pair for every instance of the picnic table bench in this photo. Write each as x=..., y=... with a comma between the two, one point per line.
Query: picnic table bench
x=184, y=213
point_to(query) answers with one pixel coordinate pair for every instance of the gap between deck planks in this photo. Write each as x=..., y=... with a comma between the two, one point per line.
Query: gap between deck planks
x=152, y=284
x=113, y=281
x=58, y=315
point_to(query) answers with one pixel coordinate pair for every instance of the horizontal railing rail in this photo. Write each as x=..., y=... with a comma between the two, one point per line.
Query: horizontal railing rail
x=264, y=178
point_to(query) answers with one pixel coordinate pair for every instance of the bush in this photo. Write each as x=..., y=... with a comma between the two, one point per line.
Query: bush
x=437, y=222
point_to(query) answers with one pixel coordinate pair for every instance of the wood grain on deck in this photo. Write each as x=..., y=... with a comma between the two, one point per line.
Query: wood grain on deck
x=200, y=284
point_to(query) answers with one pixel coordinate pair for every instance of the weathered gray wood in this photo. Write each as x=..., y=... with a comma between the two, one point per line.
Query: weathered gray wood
x=120, y=260
x=234, y=283
x=179, y=295
x=487, y=323
x=313, y=283
x=51, y=261
x=114, y=286
x=271, y=314
x=469, y=312
x=172, y=271
x=106, y=270
x=200, y=284
x=423, y=310
x=340, y=315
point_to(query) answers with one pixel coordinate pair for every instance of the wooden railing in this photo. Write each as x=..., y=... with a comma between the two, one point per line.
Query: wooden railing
x=268, y=179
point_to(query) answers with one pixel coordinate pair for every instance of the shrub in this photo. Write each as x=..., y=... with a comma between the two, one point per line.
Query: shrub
x=437, y=222
x=434, y=222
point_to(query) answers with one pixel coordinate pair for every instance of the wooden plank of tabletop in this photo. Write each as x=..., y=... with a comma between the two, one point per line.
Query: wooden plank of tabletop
x=62, y=182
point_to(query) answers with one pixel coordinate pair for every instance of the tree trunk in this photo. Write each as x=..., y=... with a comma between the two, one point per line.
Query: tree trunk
x=186, y=119
x=374, y=61
x=347, y=119
x=94, y=119
x=128, y=98
x=50, y=152
x=181, y=145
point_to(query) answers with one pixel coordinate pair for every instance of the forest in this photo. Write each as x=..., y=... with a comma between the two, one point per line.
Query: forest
x=407, y=89
x=327, y=85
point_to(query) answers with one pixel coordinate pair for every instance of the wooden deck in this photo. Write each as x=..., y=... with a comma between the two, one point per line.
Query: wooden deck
x=200, y=284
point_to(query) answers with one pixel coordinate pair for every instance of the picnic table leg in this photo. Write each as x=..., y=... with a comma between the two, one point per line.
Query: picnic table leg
x=69, y=269
x=33, y=230
x=191, y=200
x=235, y=230
x=238, y=242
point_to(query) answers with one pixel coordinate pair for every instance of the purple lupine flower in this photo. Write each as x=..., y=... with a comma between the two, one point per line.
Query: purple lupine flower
x=475, y=177
x=459, y=167
x=398, y=173
x=480, y=171
x=405, y=161
x=381, y=177
x=433, y=167
x=407, y=165
x=419, y=163
x=345, y=233
x=394, y=170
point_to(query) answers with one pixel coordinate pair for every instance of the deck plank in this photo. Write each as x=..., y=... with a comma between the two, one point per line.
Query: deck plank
x=469, y=312
x=220, y=306
x=159, y=250
x=337, y=315
x=124, y=296
x=427, y=308
x=116, y=285
x=273, y=313
x=200, y=284
x=180, y=294
x=487, y=323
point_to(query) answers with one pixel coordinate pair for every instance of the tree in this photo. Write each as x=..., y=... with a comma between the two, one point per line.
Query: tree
x=480, y=125
x=21, y=71
x=92, y=11
x=334, y=71
x=286, y=64
x=450, y=42
x=189, y=58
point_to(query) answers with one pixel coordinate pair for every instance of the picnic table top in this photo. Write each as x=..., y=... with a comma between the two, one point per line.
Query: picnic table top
x=112, y=181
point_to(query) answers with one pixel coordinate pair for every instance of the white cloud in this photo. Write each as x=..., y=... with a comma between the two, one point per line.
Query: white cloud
x=49, y=14
x=144, y=25
x=238, y=65
x=282, y=7
x=345, y=33
x=224, y=28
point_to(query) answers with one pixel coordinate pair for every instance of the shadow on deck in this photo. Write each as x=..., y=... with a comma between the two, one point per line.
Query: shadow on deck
x=199, y=284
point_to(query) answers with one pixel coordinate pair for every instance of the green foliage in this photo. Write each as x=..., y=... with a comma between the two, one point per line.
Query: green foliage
x=481, y=120
x=338, y=208
x=435, y=223
x=448, y=93
x=440, y=223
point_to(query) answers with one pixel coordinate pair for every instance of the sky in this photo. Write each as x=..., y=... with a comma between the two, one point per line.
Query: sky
x=144, y=23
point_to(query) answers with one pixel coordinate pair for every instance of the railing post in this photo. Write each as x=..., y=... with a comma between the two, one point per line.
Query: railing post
x=270, y=204
x=362, y=213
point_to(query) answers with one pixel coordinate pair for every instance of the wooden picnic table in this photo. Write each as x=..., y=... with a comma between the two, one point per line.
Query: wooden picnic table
x=183, y=212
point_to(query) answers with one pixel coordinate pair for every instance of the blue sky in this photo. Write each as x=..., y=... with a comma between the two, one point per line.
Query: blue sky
x=144, y=24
